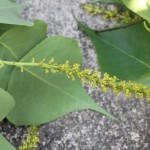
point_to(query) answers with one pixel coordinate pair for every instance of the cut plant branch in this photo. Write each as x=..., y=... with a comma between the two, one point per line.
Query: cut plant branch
x=88, y=76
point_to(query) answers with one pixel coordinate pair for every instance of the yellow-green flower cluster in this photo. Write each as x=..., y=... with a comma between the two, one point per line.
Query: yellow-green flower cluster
x=88, y=76
x=94, y=78
x=115, y=15
x=32, y=139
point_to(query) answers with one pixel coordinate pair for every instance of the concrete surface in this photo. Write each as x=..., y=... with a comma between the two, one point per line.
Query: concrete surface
x=86, y=130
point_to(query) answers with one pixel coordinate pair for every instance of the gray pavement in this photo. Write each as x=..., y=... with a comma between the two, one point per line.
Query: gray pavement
x=86, y=130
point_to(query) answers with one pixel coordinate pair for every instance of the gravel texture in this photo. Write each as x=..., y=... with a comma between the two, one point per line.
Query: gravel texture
x=85, y=130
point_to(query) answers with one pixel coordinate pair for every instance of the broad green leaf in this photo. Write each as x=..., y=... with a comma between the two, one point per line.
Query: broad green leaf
x=140, y=7
x=107, y=1
x=42, y=97
x=6, y=103
x=10, y=13
x=17, y=42
x=4, y=144
x=148, y=6
x=124, y=53
x=5, y=27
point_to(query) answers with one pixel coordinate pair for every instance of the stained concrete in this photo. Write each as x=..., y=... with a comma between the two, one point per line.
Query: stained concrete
x=86, y=130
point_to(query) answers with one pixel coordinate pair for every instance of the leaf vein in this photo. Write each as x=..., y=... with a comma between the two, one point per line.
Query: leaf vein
x=10, y=50
x=125, y=53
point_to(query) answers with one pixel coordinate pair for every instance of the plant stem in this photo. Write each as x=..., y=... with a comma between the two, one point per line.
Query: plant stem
x=19, y=64
x=28, y=64
x=88, y=76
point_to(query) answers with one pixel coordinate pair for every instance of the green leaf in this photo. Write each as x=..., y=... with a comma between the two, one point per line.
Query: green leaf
x=140, y=7
x=10, y=13
x=123, y=53
x=6, y=103
x=17, y=42
x=4, y=144
x=5, y=27
x=107, y=1
x=148, y=6
x=41, y=97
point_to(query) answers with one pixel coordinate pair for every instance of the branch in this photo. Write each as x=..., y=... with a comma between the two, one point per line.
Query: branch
x=88, y=76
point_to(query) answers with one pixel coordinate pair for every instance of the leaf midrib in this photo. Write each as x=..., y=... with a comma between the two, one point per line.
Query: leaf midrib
x=125, y=53
x=10, y=50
